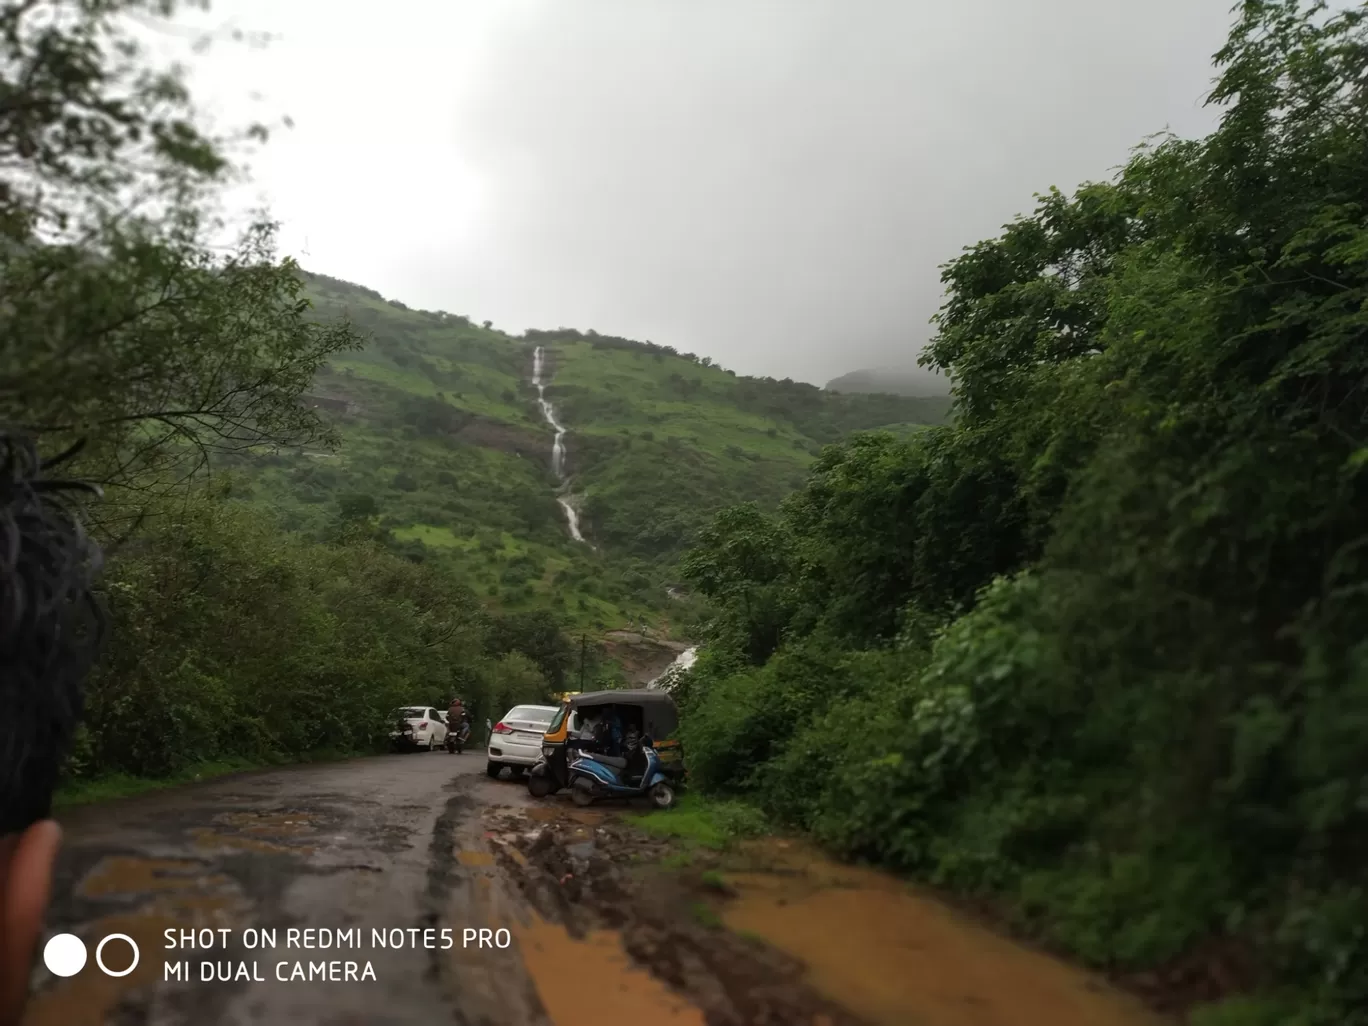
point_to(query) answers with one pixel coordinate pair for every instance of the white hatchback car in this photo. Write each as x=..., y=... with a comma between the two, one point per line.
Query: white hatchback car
x=419, y=726
x=516, y=740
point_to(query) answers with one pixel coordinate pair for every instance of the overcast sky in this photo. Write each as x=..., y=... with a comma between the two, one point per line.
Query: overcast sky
x=772, y=183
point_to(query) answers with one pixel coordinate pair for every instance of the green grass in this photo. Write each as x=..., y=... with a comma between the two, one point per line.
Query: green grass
x=704, y=822
x=434, y=537
x=705, y=915
x=1245, y=1011
x=713, y=880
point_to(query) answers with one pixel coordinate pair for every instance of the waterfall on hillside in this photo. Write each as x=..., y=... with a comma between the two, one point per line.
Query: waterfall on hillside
x=682, y=662
x=557, y=446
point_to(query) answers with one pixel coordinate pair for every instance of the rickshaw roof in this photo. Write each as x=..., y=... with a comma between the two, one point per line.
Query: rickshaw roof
x=634, y=696
x=659, y=714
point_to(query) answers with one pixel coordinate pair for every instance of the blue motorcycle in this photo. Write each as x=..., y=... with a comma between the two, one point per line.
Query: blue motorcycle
x=594, y=776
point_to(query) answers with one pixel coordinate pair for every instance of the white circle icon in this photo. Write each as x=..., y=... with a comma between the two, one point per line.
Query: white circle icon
x=99, y=950
x=64, y=954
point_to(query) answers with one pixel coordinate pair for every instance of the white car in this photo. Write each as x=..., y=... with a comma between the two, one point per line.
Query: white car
x=419, y=726
x=516, y=740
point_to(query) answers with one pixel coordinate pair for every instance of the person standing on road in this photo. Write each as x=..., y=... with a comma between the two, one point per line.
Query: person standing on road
x=50, y=628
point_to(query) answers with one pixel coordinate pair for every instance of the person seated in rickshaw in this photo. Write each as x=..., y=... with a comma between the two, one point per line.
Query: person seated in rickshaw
x=634, y=752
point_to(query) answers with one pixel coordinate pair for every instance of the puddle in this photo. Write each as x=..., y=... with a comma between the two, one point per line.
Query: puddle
x=592, y=981
x=268, y=824
x=898, y=958
x=206, y=839
x=471, y=857
x=182, y=894
x=129, y=874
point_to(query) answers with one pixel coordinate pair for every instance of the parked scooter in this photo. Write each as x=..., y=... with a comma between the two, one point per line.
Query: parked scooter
x=457, y=738
x=594, y=776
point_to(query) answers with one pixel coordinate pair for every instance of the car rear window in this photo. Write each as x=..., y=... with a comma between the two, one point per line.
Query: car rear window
x=412, y=713
x=531, y=712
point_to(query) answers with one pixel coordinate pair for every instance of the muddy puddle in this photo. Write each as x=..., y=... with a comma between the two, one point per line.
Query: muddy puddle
x=894, y=956
x=772, y=934
x=561, y=964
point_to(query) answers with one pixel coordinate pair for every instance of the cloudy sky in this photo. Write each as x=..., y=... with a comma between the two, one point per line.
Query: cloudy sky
x=772, y=183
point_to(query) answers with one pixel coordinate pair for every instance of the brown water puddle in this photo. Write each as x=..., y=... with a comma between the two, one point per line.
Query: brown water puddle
x=181, y=893
x=898, y=958
x=592, y=981
x=131, y=874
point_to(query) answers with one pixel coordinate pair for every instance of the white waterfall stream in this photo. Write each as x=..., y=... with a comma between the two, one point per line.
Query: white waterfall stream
x=557, y=446
x=681, y=663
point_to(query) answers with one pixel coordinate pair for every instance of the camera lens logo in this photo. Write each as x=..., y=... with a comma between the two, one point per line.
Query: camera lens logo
x=65, y=954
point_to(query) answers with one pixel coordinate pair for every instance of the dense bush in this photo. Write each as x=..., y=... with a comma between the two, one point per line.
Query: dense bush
x=1097, y=649
x=231, y=638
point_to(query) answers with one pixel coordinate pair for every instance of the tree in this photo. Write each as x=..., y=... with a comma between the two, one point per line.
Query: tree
x=121, y=324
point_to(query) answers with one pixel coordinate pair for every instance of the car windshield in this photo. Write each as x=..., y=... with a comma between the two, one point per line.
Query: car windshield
x=533, y=713
x=416, y=712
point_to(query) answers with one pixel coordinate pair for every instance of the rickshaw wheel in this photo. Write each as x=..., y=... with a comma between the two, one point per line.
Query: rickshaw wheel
x=538, y=786
x=581, y=794
x=662, y=795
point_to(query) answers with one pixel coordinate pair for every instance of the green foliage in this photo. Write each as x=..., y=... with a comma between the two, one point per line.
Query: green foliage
x=231, y=639
x=707, y=823
x=1097, y=647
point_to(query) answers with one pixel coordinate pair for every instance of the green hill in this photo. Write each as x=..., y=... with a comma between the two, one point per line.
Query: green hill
x=444, y=449
x=909, y=381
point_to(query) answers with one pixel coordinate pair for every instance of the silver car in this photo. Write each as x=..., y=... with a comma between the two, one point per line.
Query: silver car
x=516, y=740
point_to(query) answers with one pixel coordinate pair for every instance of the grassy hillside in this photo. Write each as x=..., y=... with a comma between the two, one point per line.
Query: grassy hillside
x=444, y=451
x=661, y=440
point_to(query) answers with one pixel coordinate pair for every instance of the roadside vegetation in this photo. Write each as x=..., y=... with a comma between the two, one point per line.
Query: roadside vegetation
x=705, y=822
x=1095, y=653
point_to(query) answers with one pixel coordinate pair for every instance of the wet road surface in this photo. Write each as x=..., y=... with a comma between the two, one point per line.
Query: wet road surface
x=599, y=929
x=389, y=843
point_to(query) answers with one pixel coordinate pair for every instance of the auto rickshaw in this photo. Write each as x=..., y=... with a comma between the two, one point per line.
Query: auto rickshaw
x=652, y=712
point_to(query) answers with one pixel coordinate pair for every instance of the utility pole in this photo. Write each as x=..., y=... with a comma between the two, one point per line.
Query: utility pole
x=583, y=648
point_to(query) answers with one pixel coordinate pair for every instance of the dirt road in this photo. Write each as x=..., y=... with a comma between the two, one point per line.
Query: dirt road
x=603, y=922
x=381, y=843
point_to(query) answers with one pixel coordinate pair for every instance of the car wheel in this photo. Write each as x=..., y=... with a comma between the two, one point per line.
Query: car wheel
x=432, y=743
x=493, y=769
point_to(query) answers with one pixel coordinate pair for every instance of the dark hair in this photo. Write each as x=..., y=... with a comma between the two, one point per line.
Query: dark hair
x=51, y=624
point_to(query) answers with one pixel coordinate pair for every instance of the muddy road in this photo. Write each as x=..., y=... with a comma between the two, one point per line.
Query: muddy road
x=391, y=842
x=603, y=921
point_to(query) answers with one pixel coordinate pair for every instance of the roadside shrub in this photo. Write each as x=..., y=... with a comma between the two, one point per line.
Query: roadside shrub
x=230, y=638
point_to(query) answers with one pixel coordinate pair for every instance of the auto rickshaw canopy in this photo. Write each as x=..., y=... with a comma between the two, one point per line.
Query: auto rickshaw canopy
x=659, y=714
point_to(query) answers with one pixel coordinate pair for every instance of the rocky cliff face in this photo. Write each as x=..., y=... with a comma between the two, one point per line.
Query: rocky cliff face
x=642, y=658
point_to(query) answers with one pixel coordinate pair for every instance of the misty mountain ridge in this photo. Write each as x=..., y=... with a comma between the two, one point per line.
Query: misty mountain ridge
x=906, y=381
